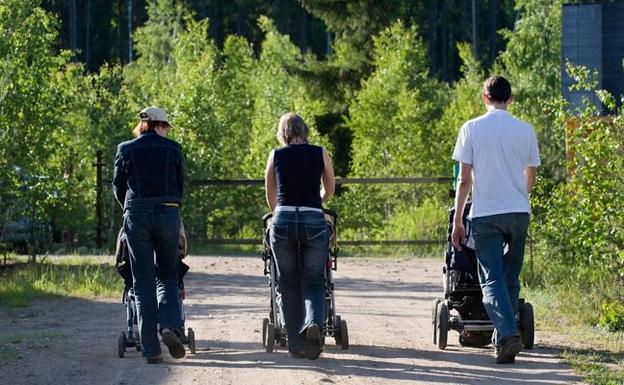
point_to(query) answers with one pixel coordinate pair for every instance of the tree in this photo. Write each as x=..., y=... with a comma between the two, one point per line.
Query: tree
x=391, y=120
x=532, y=60
x=31, y=111
x=464, y=104
x=276, y=92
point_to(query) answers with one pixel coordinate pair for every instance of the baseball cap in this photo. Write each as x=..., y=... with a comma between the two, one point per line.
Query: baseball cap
x=153, y=113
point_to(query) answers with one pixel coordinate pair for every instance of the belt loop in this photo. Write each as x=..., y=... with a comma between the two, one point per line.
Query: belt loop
x=297, y=223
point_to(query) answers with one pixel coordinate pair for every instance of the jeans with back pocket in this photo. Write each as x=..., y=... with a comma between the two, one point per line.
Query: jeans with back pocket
x=153, y=234
x=300, y=244
x=499, y=271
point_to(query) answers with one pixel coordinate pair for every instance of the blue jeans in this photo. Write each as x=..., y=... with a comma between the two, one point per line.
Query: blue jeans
x=300, y=244
x=498, y=271
x=153, y=234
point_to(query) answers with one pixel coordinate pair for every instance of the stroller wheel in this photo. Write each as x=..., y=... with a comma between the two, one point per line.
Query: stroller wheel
x=442, y=325
x=527, y=325
x=265, y=322
x=191, y=341
x=269, y=340
x=337, y=330
x=344, y=335
x=434, y=320
x=121, y=345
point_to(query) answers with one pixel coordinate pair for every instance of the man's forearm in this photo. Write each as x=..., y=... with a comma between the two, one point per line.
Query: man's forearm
x=463, y=190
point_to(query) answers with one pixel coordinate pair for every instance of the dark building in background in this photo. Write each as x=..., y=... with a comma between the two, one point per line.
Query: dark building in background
x=593, y=36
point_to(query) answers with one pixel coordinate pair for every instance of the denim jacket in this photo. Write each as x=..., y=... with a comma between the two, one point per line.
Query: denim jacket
x=148, y=169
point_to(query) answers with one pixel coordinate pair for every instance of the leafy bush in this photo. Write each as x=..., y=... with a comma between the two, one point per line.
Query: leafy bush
x=612, y=316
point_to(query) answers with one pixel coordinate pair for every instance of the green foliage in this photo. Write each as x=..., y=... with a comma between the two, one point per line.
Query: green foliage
x=425, y=221
x=588, y=204
x=225, y=106
x=532, y=61
x=276, y=92
x=391, y=120
x=612, y=316
x=465, y=104
x=33, y=91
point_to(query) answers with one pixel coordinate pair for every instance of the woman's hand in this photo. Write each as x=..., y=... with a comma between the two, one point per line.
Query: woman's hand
x=328, y=178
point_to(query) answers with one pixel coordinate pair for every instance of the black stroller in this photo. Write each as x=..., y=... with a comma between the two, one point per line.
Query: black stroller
x=462, y=294
x=130, y=338
x=274, y=327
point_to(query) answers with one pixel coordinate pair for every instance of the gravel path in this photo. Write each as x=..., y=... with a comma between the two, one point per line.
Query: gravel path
x=387, y=303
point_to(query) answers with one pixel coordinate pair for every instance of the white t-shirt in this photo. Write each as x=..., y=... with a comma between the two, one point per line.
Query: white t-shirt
x=499, y=147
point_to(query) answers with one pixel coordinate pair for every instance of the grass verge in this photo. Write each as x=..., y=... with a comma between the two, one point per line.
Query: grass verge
x=22, y=283
x=593, y=352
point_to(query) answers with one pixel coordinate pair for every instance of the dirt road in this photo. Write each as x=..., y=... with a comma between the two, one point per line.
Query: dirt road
x=385, y=301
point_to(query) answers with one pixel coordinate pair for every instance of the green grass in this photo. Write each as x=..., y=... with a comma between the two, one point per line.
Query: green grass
x=77, y=277
x=596, y=368
x=14, y=345
x=595, y=353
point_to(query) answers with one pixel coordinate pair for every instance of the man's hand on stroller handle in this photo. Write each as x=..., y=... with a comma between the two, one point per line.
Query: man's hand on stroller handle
x=458, y=236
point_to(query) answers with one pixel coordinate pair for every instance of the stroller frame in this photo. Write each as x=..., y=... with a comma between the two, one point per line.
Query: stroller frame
x=274, y=326
x=462, y=293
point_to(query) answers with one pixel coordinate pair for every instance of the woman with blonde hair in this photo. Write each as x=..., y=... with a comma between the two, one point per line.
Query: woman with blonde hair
x=299, y=234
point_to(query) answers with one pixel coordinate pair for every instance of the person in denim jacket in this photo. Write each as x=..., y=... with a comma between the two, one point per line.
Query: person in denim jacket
x=148, y=184
x=299, y=235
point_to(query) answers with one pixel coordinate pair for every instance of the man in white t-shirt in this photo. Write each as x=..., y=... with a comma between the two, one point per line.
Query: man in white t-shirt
x=498, y=157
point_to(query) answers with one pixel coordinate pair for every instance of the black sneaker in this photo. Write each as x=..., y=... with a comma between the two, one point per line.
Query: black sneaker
x=298, y=355
x=173, y=343
x=505, y=353
x=312, y=343
x=154, y=359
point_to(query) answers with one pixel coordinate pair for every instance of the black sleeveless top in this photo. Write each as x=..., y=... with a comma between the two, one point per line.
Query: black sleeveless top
x=298, y=169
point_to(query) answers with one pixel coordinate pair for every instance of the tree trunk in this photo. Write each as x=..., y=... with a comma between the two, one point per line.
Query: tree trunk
x=433, y=34
x=492, y=29
x=88, y=36
x=444, y=32
x=330, y=43
x=304, y=23
x=280, y=16
x=130, y=55
x=73, y=28
x=475, y=51
x=241, y=18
